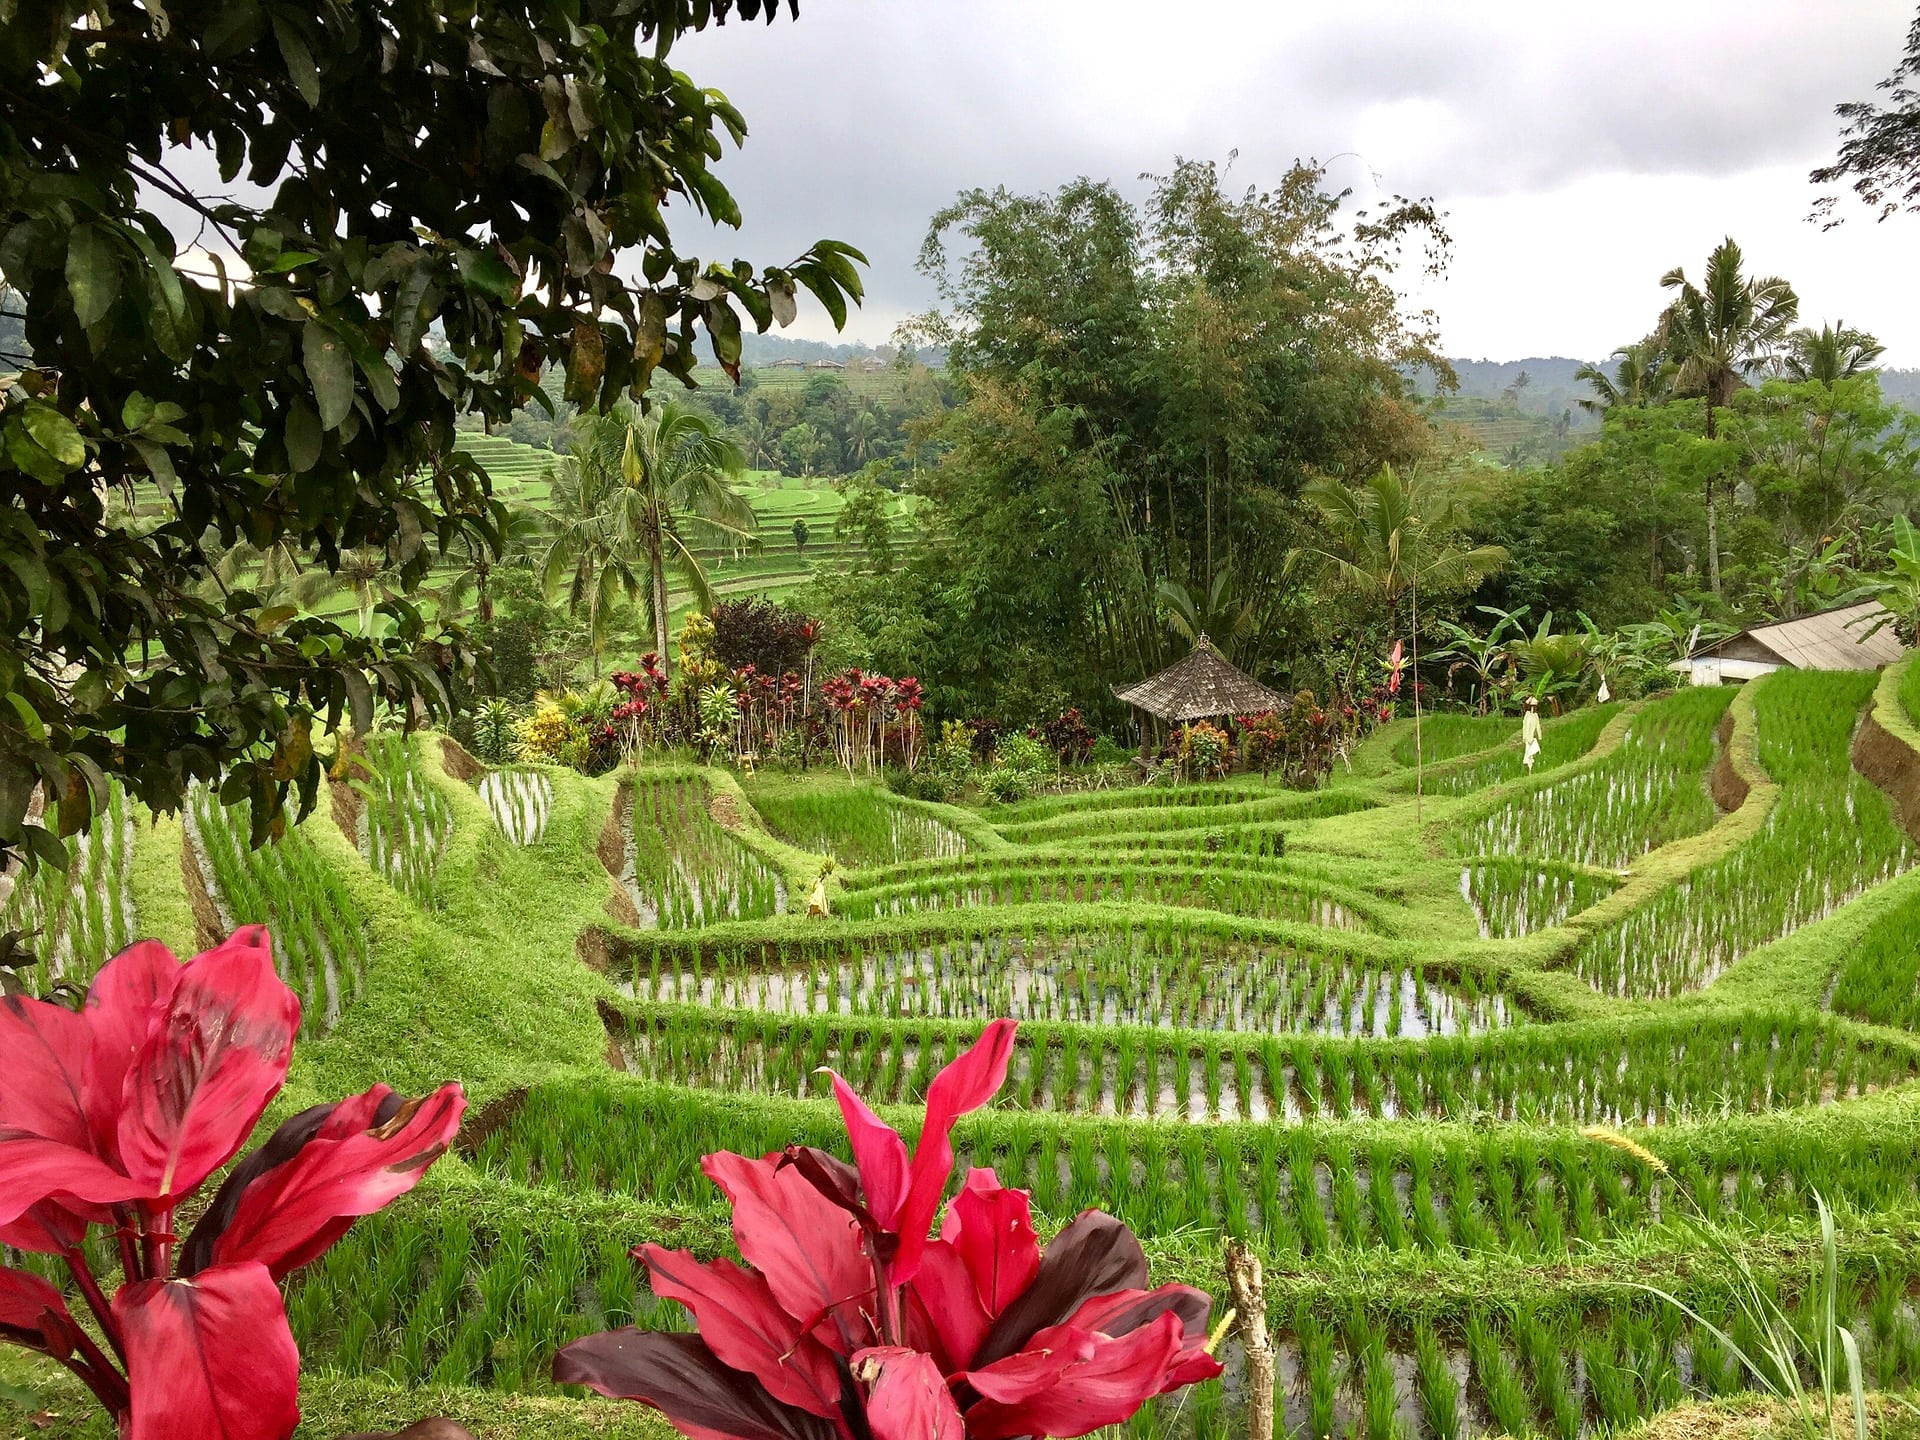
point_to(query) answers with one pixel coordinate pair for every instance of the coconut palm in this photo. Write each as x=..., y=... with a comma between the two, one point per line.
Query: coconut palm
x=1640, y=377
x=1717, y=335
x=1216, y=612
x=1830, y=354
x=520, y=530
x=586, y=553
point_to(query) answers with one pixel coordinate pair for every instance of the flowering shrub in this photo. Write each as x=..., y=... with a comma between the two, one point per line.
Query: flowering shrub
x=543, y=734
x=1204, y=750
x=116, y=1115
x=852, y=1319
x=1070, y=737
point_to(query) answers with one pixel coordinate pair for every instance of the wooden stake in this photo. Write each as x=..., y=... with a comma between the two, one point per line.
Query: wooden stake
x=1250, y=1300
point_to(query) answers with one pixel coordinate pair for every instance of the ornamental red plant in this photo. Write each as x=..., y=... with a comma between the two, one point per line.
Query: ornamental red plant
x=116, y=1114
x=851, y=1322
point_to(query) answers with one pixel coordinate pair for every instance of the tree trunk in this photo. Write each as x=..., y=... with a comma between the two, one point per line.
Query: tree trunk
x=1713, y=521
x=483, y=572
x=657, y=578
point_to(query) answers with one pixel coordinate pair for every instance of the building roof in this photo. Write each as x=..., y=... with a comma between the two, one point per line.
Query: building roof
x=1199, y=687
x=1830, y=640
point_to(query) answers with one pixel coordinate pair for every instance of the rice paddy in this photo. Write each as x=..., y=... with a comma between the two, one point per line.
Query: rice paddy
x=1363, y=1040
x=75, y=918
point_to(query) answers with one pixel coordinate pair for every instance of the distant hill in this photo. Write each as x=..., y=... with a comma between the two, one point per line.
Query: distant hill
x=766, y=349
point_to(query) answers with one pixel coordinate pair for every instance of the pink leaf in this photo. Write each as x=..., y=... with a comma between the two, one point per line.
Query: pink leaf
x=879, y=1152
x=126, y=1001
x=46, y=1050
x=24, y=1300
x=807, y=1247
x=991, y=1227
x=746, y=1329
x=942, y=1313
x=1070, y=1382
x=33, y=1169
x=907, y=1398
x=209, y=1358
x=973, y=1079
x=297, y=1194
x=207, y=1071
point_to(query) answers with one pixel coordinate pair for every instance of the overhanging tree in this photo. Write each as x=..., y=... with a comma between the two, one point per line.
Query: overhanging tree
x=435, y=198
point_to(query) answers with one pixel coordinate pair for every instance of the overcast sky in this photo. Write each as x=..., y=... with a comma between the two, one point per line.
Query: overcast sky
x=1579, y=151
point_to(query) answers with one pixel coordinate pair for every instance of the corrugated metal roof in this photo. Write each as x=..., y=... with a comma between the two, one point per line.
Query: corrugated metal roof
x=1199, y=687
x=1831, y=640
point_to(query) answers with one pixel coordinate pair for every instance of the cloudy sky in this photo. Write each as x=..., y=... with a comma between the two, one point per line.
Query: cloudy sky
x=1579, y=151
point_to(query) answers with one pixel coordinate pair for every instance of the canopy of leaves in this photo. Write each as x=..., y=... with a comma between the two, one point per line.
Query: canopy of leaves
x=249, y=361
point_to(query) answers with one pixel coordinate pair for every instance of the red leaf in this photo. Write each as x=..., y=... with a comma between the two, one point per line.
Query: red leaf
x=746, y=1329
x=973, y=1079
x=33, y=1169
x=24, y=1299
x=304, y=1193
x=942, y=1309
x=46, y=1050
x=879, y=1152
x=209, y=1358
x=207, y=1071
x=680, y=1377
x=907, y=1398
x=126, y=1001
x=991, y=1227
x=1069, y=1382
x=50, y=1227
x=806, y=1246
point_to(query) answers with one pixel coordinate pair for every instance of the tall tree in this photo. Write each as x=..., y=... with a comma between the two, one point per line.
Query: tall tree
x=1830, y=354
x=1717, y=334
x=476, y=174
x=586, y=553
x=1880, y=144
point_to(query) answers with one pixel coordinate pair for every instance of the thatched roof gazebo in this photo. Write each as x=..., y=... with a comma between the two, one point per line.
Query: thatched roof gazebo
x=1203, y=686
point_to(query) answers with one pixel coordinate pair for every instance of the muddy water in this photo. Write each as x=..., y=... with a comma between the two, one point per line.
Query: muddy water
x=520, y=802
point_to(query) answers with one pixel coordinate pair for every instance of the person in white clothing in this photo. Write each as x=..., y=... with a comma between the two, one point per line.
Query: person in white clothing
x=1530, y=734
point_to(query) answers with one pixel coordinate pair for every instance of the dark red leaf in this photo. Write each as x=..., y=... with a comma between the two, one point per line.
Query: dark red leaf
x=991, y=1227
x=1094, y=1255
x=1070, y=1382
x=680, y=1377
x=907, y=1397
x=974, y=1078
x=25, y=1301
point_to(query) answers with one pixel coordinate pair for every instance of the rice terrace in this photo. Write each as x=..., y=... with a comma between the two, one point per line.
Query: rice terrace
x=1060, y=817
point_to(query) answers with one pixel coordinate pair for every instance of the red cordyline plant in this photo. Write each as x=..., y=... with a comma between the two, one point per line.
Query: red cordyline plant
x=116, y=1114
x=852, y=1323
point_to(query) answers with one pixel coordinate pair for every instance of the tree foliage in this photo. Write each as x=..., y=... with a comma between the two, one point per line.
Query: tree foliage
x=263, y=257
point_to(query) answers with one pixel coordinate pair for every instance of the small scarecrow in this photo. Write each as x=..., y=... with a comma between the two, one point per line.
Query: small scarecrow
x=1530, y=734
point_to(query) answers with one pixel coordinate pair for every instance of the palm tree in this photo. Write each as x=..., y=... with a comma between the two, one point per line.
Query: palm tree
x=862, y=431
x=1640, y=378
x=1718, y=335
x=521, y=527
x=587, y=553
x=676, y=469
x=1217, y=612
x=1830, y=354
x=1385, y=539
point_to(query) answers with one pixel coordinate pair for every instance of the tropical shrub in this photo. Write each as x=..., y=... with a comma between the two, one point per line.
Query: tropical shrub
x=116, y=1115
x=1204, y=750
x=543, y=734
x=852, y=1319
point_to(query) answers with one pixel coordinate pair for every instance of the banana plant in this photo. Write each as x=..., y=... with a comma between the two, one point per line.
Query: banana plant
x=1483, y=657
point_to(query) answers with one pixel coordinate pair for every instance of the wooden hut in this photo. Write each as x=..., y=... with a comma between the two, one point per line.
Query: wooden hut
x=1203, y=686
x=1835, y=639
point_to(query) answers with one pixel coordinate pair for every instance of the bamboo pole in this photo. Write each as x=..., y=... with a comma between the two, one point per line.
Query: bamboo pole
x=1249, y=1294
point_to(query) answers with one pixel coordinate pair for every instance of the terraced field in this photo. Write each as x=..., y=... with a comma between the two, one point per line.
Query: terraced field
x=1363, y=1038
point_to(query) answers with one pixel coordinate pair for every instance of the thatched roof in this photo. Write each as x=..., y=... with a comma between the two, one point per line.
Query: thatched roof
x=1199, y=687
x=1831, y=640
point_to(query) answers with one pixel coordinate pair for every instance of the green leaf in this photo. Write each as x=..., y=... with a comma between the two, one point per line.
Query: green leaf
x=485, y=272
x=330, y=370
x=300, y=66
x=93, y=275
x=54, y=433
x=158, y=462
x=29, y=717
x=292, y=260
x=303, y=436
x=136, y=412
